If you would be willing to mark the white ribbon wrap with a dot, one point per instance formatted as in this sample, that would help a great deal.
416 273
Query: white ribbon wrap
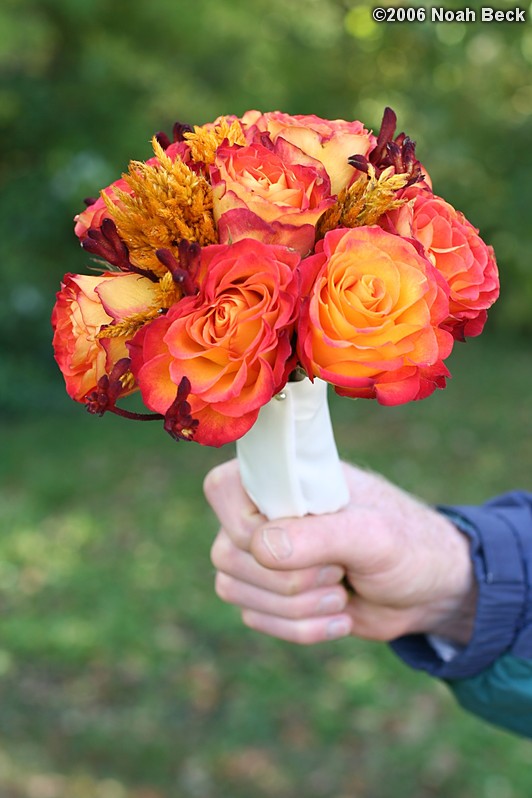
288 460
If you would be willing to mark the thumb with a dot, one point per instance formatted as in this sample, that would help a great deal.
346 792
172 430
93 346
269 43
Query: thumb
294 543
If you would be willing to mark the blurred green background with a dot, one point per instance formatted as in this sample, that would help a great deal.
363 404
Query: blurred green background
121 674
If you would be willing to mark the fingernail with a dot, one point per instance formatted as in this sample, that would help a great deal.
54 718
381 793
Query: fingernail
330 575
330 604
277 542
338 628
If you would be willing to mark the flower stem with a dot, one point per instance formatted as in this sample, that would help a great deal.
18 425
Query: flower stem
297 374
136 416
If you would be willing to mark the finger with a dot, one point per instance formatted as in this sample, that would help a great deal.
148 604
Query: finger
319 602
304 632
380 622
241 565
235 510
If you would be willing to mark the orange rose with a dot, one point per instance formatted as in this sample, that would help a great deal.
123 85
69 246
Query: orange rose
275 194
457 251
85 305
370 324
232 340
329 141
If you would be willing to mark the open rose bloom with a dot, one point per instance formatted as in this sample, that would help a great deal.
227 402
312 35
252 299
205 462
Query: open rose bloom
260 258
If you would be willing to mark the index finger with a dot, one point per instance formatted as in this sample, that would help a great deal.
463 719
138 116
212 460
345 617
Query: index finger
235 510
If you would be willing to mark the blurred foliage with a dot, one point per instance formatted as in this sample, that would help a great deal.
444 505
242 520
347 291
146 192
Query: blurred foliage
122 675
83 86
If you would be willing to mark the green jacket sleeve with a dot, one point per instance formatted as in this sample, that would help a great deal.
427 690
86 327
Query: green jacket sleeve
501 694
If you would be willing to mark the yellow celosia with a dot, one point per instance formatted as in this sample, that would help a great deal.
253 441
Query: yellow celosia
365 201
204 141
169 203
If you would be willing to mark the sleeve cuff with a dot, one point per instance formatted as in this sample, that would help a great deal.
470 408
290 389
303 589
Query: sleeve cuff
500 571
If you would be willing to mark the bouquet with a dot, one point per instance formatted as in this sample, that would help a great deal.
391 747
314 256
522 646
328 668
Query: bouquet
251 262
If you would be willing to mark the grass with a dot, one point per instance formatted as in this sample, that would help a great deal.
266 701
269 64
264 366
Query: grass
123 676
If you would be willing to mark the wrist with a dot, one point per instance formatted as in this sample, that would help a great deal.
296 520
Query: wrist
455 619
452 614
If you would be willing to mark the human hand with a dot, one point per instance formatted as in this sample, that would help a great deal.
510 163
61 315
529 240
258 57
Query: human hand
408 566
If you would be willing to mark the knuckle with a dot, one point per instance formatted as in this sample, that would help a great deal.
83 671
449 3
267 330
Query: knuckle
293 583
219 551
297 610
241 538
214 480
249 619
222 587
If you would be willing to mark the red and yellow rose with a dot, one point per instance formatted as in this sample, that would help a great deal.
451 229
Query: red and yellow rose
274 193
85 305
371 322
92 217
455 248
232 340
329 141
